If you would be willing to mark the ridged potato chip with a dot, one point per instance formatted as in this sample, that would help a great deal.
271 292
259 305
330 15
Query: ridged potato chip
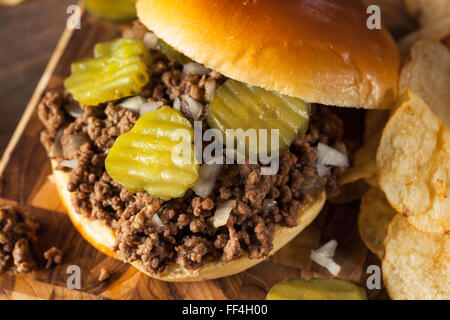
413 165
429 11
143 158
437 32
375 215
416 265
428 75
364 166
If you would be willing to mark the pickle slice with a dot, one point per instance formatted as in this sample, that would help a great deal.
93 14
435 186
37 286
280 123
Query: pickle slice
114 10
236 105
316 289
142 159
119 69
171 53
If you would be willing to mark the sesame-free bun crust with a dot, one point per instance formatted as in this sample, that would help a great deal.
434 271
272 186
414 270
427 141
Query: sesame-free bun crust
317 50
102 237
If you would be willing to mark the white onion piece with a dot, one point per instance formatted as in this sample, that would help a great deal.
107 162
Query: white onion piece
177 104
56 149
73 142
324 257
195 108
133 103
157 221
72 164
149 107
331 157
269 205
150 40
74 110
223 213
210 88
322 170
196 68
208 174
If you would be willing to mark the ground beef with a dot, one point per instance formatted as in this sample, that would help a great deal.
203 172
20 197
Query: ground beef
188 236
53 257
16 230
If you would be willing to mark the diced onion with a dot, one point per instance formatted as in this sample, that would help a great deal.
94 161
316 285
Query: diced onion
56 149
269 204
331 157
156 220
196 68
177 104
208 174
324 257
73 142
322 170
210 88
74 110
150 40
72 164
223 213
195 108
149 107
133 103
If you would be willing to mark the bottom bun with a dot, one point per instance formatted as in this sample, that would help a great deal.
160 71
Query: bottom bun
102 237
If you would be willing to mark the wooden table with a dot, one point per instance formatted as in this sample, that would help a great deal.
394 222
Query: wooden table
28 36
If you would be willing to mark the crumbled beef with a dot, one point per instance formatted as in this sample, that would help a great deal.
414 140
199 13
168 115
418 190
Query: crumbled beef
188 236
53 257
104 275
16 230
22 256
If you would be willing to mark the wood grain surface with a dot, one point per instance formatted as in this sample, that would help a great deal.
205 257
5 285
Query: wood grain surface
24 172
28 35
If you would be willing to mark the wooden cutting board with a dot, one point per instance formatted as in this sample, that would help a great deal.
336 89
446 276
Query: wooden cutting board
24 172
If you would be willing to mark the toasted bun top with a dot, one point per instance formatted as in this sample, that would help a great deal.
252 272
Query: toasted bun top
317 50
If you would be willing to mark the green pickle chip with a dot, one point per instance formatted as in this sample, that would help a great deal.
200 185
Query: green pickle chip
114 10
150 156
316 289
119 69
236 105
171 53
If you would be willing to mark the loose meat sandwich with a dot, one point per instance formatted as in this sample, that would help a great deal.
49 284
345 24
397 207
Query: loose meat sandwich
279 66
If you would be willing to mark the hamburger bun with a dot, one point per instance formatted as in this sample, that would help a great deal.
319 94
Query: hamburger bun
320 51
102 237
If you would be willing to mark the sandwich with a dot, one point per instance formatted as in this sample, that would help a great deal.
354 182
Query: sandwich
232 73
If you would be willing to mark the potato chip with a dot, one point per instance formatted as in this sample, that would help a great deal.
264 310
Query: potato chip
437 32
375 214
428 74
428 11
364 166
416 265
413 165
